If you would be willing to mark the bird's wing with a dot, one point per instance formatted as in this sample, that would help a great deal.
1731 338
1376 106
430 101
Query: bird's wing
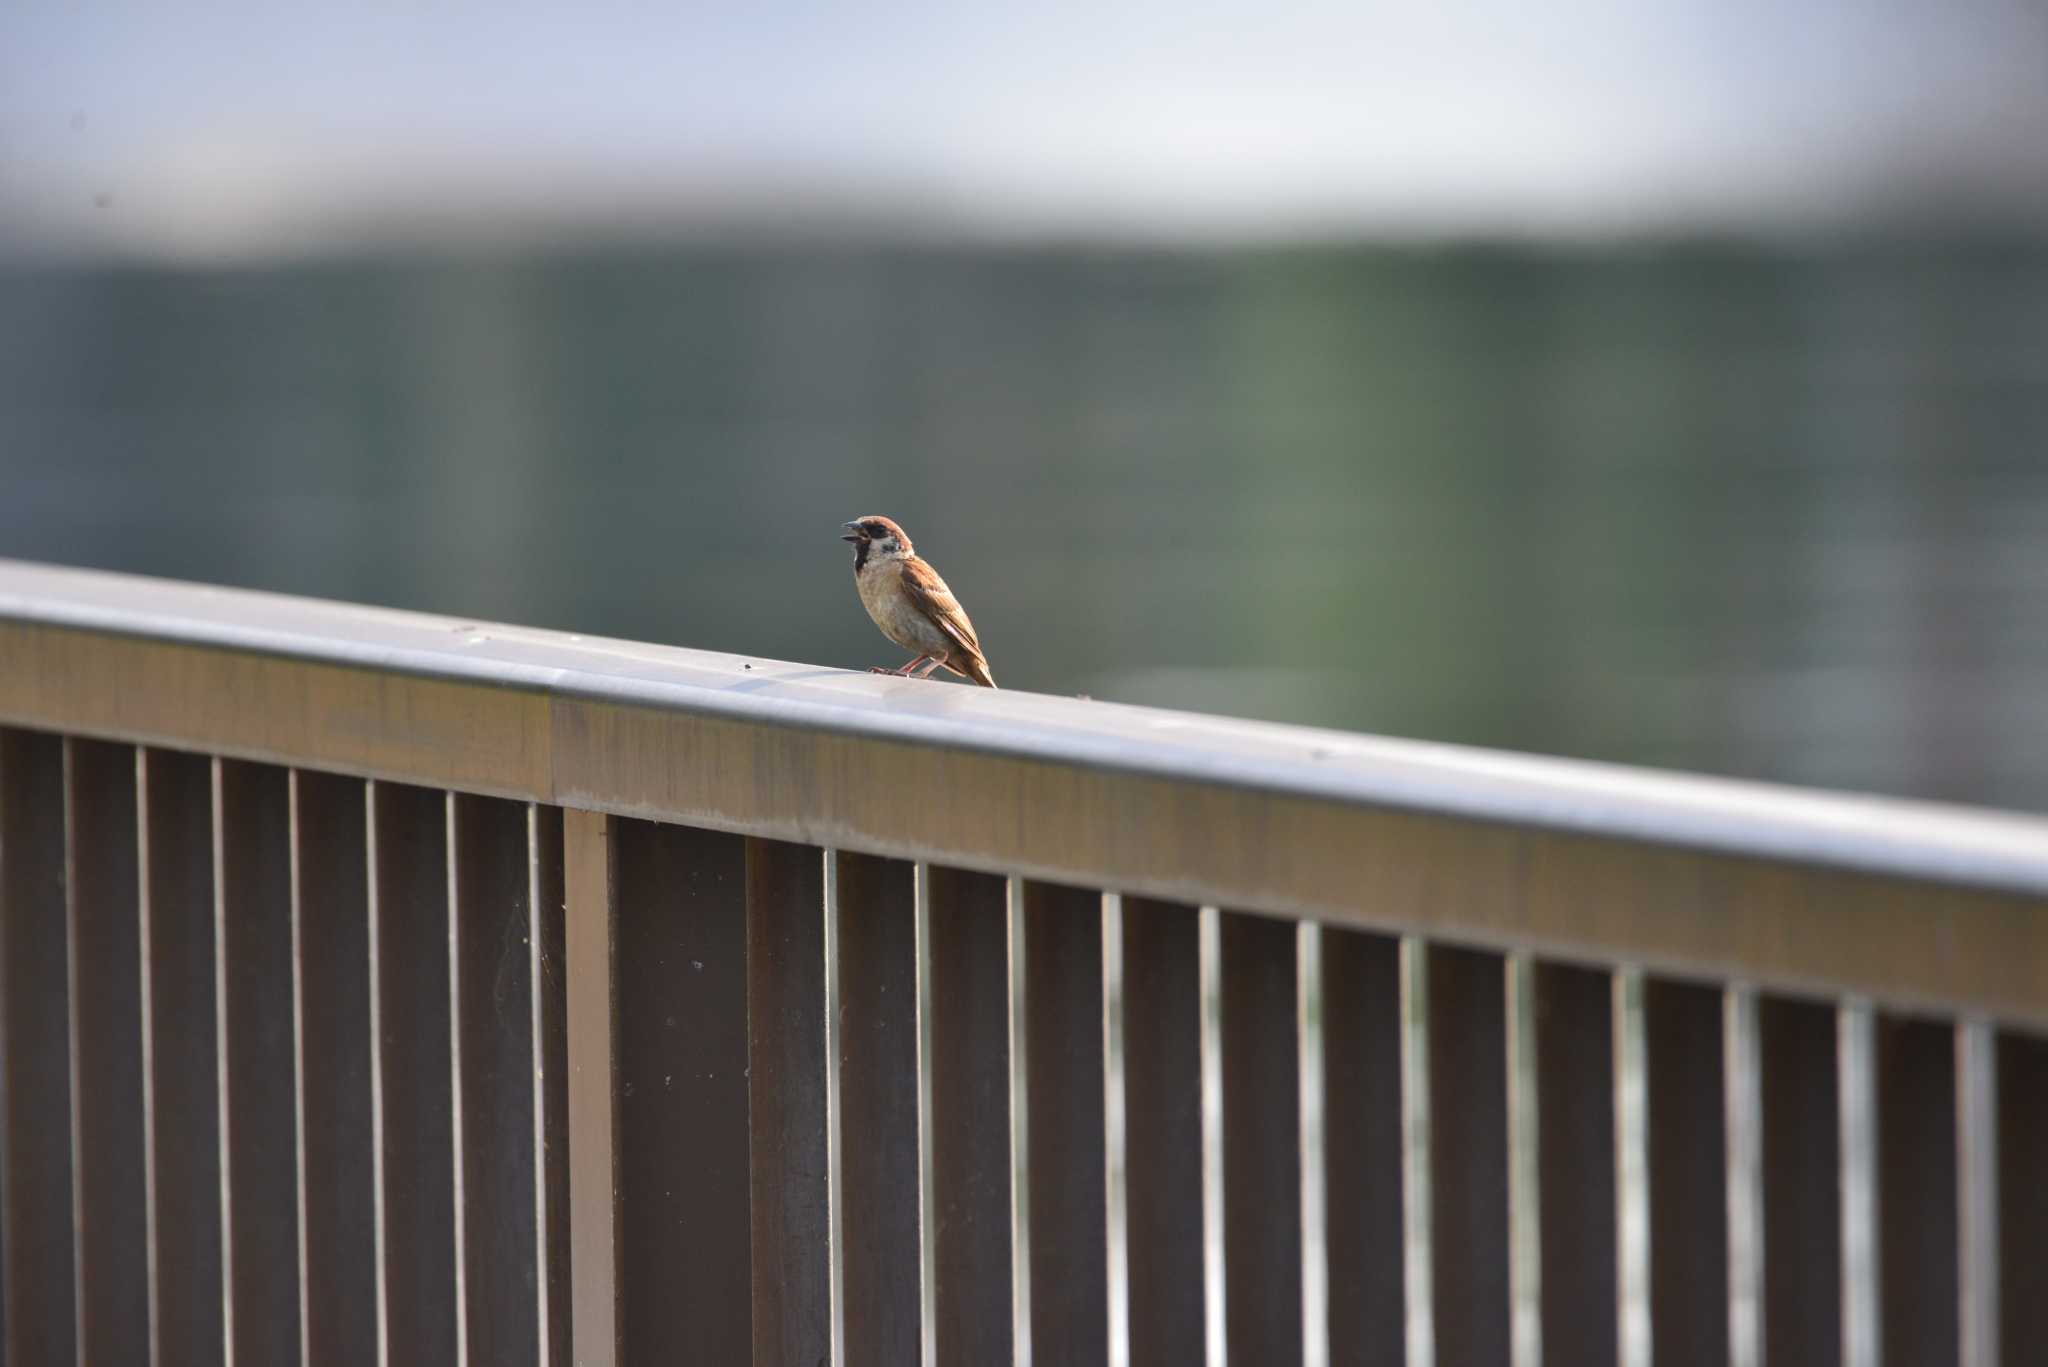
929 595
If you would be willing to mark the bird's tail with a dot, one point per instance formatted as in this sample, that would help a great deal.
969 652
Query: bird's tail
977 670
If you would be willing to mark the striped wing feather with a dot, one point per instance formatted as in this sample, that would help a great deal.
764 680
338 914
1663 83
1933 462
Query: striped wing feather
929 595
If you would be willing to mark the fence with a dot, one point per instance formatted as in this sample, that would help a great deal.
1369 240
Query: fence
386 988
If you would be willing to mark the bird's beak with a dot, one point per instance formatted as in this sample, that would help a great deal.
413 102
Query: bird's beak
853 532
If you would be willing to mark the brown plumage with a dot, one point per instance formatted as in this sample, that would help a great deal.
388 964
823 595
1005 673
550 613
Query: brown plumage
911 604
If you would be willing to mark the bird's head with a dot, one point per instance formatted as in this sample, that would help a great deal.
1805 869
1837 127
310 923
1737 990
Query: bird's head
875 538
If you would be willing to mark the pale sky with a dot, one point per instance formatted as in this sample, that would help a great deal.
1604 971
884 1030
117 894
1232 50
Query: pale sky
247 128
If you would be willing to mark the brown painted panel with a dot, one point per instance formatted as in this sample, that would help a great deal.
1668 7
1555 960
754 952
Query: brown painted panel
252 833
786 1100
684 1224
967 918
1574 1011
1261 1141
331 911
409 926
2022 1197
878 1109
106 1034
1684 1095
1918 1233
1802 1200
183 1108
491 927
1063 1060
1361 997
35 1039
1468 1135
1162 1007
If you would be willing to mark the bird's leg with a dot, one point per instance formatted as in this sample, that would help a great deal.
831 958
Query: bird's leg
935 663
902 673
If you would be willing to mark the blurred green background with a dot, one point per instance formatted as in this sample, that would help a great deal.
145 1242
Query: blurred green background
1768 512
1665 384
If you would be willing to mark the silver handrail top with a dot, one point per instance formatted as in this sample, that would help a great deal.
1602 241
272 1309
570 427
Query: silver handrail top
1913 839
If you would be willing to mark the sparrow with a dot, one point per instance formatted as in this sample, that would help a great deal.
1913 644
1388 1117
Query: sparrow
911 604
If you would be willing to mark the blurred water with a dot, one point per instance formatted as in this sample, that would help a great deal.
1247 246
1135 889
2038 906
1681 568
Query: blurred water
1774 513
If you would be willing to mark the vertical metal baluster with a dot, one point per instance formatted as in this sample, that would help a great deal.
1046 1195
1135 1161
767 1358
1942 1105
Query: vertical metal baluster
1745 1179
546 896
1525 1212
927 1197
1857 1111
1213 1232
457 1181
378 1232
1417 1200
591 1008
835 1138
1308 1027
1116 1156
1977 1199
1632 1171
1020 1125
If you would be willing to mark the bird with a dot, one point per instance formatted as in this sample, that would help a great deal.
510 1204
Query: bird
911 604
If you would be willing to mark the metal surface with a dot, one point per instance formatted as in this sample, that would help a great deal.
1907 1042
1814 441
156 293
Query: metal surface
252 945
1468 1138
303 1068
181 1108
1162 1012
786 1103
100 885
1361 1013
591 1025
1686 1150
410 1076
1802 1196
684 1226
36 1264
1977 1194
1574 1010
2022 1198
1262 1253
877 1065
331 1008
1068 1170
1918 1229
1793 890
969 1064
490 930
547 899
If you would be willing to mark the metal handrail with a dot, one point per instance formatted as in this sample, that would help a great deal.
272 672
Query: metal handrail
1911 904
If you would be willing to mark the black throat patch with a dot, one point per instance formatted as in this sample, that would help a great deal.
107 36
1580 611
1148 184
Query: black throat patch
860 554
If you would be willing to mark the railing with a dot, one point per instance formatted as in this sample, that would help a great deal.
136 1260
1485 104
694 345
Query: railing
385 988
